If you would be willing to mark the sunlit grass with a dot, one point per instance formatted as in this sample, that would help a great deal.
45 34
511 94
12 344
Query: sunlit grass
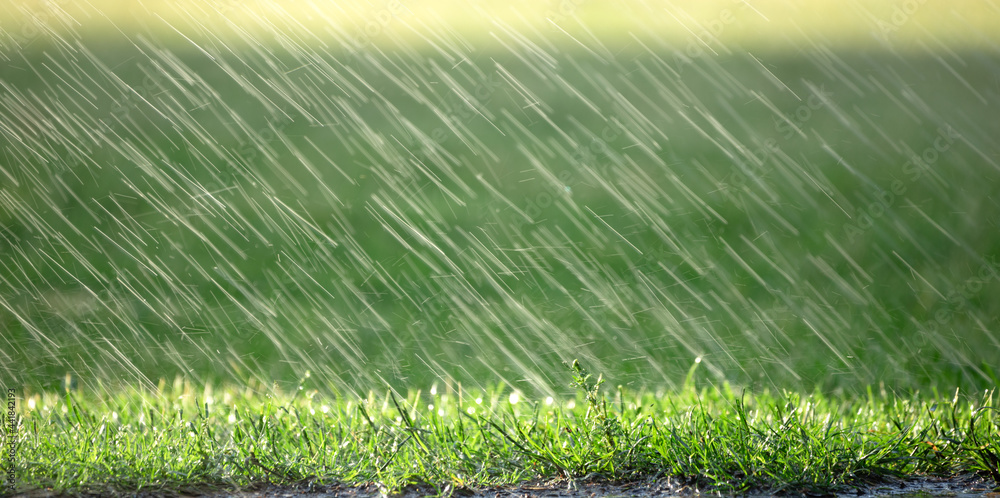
711 438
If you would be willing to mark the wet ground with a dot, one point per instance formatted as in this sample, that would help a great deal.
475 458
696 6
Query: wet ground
959 487
964 486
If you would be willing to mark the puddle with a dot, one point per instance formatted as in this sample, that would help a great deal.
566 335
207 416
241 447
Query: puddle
965 486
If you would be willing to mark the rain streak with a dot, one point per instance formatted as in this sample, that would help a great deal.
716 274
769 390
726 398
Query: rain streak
393 194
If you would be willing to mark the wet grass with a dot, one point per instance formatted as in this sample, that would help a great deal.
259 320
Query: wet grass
712 438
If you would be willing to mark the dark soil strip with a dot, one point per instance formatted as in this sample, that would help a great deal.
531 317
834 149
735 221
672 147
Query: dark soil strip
963 486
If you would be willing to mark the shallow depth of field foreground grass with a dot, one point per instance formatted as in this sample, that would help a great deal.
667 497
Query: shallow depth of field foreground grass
710 437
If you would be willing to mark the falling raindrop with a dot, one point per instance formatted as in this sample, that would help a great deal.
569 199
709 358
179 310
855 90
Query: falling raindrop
481 195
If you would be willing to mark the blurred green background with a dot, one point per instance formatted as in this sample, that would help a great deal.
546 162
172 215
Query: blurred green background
804 195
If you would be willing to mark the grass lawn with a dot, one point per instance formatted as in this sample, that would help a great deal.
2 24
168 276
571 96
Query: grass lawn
368 239
450 440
